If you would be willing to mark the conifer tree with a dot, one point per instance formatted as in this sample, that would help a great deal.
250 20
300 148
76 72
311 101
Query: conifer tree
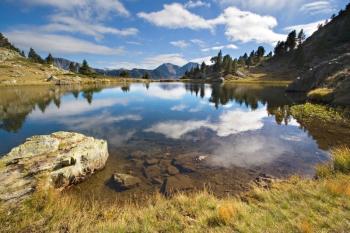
85 68
301 37
72 67
260 52
49 60
34 57
291 41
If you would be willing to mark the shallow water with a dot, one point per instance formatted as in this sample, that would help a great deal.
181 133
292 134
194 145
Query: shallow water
239 130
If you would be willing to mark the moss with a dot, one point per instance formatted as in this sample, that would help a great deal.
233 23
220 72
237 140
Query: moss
310 112
322 95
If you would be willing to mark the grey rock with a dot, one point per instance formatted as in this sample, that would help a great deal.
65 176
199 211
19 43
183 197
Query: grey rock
125 181
60 160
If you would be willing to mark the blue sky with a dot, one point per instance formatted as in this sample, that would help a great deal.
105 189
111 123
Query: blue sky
146 33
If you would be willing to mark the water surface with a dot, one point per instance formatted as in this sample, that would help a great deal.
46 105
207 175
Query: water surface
228 134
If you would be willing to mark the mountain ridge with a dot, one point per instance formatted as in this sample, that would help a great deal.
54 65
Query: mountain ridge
163 71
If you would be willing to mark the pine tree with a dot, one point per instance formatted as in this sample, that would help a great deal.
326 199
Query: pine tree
85 68
146 76
49 60
34 57
260 52
72 67
301 37
23 54
291 41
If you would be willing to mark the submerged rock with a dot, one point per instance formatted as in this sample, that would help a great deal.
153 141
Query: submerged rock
176 183
125 181
55 161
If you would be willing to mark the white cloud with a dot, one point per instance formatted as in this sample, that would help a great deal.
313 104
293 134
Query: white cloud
58 44
196 3
176 129
179 107
318 7
199 60
84 16
219 47
76 107
240 25
101 8
261 5
155 61
246 26
180 43
308 28
174 93
64 23
105 118
176 15
230 122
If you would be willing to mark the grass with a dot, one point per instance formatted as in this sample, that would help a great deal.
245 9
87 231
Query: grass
293 205
310 112
322 95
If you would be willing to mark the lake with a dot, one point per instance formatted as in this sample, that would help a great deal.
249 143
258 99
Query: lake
219 136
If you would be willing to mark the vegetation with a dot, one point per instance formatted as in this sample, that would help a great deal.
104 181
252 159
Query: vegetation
226 65
310 112
34 57
294 205
49 59
146 76
4 43
323 95
85 68
124 74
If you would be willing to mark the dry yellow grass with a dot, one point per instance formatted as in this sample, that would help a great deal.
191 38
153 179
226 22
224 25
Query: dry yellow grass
294 205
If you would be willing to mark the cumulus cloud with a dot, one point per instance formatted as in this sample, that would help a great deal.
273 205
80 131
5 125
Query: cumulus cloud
240 25
308 28
176 15
219 47
230 122
196 3
198 42
318 7
246 26
45 42
180 44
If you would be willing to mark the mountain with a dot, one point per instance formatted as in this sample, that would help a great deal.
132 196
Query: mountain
164 71
64 63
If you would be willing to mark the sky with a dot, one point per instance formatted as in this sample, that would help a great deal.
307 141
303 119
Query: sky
146 33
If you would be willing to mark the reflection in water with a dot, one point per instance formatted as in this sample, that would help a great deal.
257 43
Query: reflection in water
248 126
241 129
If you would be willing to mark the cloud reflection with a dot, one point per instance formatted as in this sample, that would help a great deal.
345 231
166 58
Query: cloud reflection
230 122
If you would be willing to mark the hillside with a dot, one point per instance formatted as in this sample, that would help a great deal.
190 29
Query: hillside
322 61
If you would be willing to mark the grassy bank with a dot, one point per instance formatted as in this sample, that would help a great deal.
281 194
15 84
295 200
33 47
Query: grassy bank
294 205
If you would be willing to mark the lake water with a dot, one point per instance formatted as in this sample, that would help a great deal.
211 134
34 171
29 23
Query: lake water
221 136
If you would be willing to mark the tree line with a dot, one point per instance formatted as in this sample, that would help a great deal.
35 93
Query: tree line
225 65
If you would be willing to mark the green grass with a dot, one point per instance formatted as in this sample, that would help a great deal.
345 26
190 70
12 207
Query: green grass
293 205
322 95
310 112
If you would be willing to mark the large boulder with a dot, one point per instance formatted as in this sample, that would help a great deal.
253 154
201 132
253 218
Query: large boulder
50 161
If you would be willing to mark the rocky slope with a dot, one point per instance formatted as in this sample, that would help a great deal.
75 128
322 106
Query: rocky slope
323 61
49 161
